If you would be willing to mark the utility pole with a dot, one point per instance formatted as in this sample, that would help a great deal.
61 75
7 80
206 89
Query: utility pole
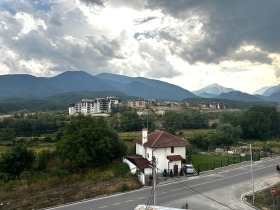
154 180
252 176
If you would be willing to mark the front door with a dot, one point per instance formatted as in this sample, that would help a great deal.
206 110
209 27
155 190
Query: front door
175 167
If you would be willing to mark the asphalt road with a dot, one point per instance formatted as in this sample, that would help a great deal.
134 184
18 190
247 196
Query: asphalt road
219 190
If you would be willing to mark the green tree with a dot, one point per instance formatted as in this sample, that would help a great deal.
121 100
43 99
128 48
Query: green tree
88 141
227 134
235 118
188 119
130 121
173 121
202 141
261 122
7 134
16 160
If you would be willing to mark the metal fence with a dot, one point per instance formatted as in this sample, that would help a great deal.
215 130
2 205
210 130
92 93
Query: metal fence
230 161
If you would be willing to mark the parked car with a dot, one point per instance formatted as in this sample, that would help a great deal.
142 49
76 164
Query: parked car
189 169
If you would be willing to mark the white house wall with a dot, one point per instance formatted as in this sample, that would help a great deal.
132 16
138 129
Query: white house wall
161 157
148 171
71 110
172 163
139 150
131 165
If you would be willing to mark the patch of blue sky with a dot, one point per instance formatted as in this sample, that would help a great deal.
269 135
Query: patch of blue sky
7 7
43 5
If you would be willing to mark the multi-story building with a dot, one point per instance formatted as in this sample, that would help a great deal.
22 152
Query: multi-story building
217 105
96 106
140 103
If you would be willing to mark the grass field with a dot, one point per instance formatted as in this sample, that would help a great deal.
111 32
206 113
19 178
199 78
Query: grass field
204 162
37 149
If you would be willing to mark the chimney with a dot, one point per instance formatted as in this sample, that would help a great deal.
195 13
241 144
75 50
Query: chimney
144 135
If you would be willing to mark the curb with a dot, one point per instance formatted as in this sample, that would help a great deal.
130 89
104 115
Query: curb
259 190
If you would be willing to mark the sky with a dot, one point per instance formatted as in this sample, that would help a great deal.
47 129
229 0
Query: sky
189 43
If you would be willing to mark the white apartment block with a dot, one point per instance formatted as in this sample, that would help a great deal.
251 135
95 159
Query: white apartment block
96 106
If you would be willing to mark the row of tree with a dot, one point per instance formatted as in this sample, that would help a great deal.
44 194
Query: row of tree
258 122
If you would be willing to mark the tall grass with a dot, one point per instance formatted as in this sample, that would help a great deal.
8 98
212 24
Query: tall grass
35 188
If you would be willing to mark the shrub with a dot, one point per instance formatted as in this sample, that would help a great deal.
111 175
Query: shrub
61 173
171 173
181 172
125 187
164 173
19 157
43 158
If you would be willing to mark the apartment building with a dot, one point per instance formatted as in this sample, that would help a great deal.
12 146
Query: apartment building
140 103
91 107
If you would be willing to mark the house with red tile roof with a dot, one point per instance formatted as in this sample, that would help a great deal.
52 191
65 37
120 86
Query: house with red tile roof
169 151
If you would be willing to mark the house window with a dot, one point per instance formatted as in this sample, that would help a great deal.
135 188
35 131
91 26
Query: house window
172 149
147 155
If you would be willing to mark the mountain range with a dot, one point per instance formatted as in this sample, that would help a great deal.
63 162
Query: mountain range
74 82
29 86
269 93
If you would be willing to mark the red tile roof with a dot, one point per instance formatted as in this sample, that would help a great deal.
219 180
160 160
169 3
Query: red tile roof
174 157
161 139
139 161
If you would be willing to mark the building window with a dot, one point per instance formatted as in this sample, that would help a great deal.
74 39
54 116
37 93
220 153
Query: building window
172 149
147 155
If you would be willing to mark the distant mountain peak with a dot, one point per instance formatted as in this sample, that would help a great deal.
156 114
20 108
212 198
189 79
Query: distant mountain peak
215 89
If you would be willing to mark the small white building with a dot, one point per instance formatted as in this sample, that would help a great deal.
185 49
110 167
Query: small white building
169 151
140 166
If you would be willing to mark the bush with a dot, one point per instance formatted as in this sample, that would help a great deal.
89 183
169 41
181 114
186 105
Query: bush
16 160
171 173
5 177
121 168
124 187
181 172
164 173
61 173
43 158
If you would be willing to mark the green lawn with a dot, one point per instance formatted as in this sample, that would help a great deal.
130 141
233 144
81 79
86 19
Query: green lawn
205 162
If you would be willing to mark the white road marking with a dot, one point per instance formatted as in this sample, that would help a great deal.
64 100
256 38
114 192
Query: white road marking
177 189
102 207
116 204
140 198
129 201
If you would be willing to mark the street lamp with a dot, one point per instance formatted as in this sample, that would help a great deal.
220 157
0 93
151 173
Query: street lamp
251 170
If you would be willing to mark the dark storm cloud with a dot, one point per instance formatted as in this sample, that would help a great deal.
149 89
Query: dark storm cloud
227 26
252 56
93 2
92 52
